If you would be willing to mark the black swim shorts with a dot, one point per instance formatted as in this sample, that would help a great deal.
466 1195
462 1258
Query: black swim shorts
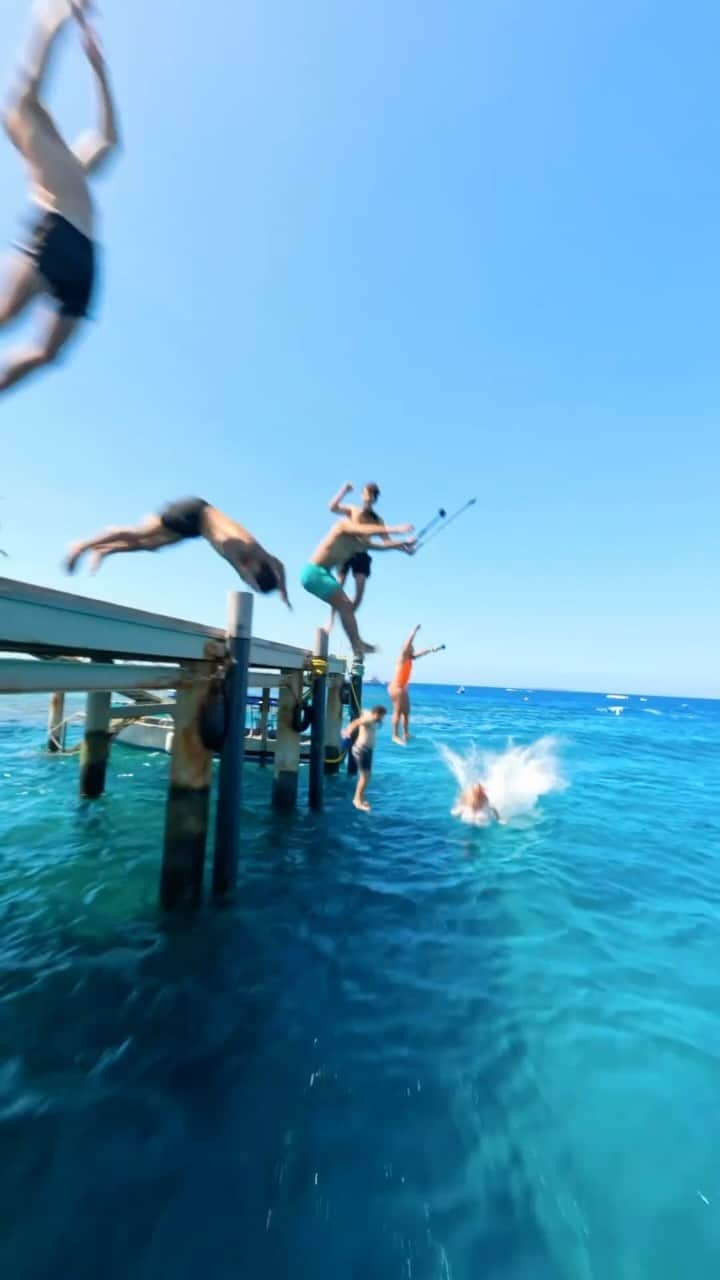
65 258
363 758
358 564
184 517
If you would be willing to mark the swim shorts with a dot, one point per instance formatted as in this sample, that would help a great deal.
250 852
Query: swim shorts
363 758
184 517
65 258
320 582
358 564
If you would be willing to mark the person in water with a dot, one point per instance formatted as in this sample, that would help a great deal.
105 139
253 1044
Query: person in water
190 518
360 564
347 537
475 799
398 687
58 259
366 725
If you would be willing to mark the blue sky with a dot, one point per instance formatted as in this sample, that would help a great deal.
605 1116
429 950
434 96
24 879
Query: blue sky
463 250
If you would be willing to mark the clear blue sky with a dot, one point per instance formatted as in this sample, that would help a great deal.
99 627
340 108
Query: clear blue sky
465 249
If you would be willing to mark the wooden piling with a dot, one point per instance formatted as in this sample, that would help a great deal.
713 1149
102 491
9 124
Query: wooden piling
96 745
356 683
317 729
264 719
333 726
57 727
227 823
287 743
188 801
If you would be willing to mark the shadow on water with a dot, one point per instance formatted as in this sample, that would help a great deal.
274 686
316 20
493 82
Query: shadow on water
322 1078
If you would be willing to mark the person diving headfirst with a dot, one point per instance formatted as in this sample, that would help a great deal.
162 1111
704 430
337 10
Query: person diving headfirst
179 521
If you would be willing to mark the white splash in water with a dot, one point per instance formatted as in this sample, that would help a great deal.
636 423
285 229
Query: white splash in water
514 779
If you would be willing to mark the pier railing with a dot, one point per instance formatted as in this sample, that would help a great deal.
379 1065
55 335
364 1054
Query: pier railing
61 642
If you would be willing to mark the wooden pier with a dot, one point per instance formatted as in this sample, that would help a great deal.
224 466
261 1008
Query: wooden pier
63 643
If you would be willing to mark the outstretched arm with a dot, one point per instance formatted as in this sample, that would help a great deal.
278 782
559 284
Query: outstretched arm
336 506
52 18
424 652
407 545
357 529
279 568
94 147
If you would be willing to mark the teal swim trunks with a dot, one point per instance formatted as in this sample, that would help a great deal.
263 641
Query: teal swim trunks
319 582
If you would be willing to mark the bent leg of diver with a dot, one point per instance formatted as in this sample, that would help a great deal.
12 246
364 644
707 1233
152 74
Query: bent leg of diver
360 583
22 363
340 603
341 577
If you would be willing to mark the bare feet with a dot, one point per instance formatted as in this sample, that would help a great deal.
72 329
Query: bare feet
362 805
73 557
365 648
400 741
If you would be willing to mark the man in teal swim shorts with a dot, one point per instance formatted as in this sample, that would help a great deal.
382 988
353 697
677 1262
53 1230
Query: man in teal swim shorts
344 540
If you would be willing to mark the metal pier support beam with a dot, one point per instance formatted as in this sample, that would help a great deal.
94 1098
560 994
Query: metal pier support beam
264 718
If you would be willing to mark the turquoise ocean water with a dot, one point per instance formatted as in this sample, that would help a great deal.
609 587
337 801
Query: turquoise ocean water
412 1050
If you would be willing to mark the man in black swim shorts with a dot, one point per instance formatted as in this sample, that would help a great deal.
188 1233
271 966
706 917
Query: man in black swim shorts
359 565
58 257
190 518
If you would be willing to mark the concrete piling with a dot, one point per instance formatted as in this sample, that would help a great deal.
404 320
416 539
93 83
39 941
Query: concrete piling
57 727
317 728
188 801
232 757
356 683
96 745
287 743
333 726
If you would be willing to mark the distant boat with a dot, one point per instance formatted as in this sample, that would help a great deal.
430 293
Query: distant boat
619 697
461 689
373 680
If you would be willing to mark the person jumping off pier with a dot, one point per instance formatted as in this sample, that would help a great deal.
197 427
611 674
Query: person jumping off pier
347 537
190 518
398 687
366 726
360 564
58 259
